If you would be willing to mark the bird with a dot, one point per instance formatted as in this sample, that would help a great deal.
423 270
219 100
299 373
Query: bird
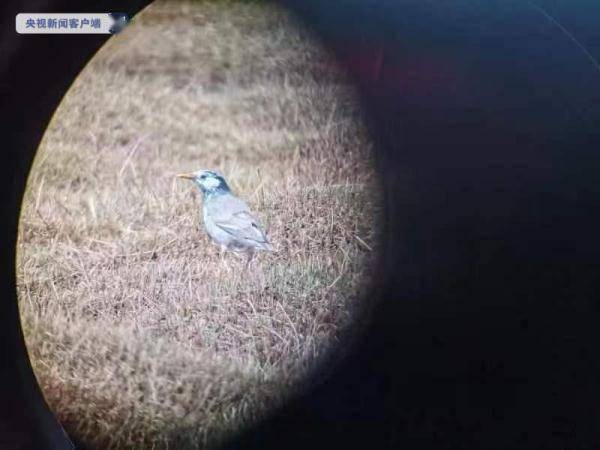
227 218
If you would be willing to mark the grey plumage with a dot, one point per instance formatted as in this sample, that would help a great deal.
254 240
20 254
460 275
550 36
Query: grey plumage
227 219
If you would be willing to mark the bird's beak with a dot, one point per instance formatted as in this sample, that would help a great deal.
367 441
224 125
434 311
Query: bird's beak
187 176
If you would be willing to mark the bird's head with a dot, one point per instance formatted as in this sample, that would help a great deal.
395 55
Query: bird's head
209 181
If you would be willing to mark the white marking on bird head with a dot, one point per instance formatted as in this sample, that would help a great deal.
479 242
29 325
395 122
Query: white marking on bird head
209 182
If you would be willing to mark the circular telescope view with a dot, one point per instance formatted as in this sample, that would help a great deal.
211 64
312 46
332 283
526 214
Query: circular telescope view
198 228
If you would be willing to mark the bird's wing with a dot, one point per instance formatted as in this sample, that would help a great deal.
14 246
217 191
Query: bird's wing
234 217
243 225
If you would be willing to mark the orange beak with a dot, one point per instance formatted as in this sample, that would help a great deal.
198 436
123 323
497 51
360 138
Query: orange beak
187 176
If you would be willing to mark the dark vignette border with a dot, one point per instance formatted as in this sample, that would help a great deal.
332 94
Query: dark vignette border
486 117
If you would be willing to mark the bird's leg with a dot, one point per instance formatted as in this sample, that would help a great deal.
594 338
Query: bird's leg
222 251
250 256
257 273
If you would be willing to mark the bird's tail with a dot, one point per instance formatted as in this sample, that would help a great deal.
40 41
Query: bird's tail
268 247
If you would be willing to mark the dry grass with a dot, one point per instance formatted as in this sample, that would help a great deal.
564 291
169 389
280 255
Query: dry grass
140 336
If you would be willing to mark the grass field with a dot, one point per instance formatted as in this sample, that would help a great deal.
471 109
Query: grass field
140 335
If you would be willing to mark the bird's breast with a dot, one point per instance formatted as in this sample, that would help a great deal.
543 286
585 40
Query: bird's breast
216 233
